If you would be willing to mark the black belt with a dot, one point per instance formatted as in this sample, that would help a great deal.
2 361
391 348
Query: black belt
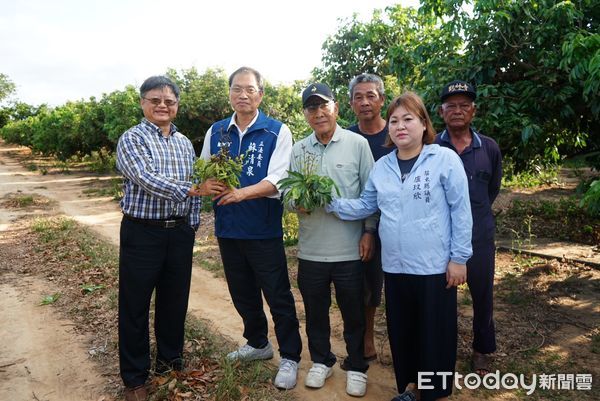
166 223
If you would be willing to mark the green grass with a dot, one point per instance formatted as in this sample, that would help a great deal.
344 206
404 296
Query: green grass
24 200
101 163
533 177
112 188
82 250
69 239
53 229
215 267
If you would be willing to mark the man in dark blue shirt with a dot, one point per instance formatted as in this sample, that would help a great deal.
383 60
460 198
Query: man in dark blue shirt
483 164
367 97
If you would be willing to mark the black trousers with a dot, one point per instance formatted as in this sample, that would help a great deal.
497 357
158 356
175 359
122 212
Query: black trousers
480 278
374 277
253 267
422 330
152 258
314 282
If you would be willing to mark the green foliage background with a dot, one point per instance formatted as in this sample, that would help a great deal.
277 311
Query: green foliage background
536 65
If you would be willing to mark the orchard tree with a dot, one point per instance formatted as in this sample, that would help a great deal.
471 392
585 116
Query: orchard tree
91 127
17 111
536 65
396 45
121 110
7 87
204 100
284 103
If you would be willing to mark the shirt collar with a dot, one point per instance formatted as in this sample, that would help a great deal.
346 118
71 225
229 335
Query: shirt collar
232 122
337 135
475 143
172 128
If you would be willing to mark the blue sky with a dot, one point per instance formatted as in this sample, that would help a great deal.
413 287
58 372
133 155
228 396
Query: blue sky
62 50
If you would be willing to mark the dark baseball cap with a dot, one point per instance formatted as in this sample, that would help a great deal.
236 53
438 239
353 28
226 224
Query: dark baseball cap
458 87
317 89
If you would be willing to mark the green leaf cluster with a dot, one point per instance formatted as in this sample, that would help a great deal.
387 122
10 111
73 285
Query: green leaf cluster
89 288
305 189
221 166
50 299
591 199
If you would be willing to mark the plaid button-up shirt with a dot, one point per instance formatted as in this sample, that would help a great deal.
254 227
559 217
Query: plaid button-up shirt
157 174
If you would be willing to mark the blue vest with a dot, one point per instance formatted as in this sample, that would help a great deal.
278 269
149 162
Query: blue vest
255 218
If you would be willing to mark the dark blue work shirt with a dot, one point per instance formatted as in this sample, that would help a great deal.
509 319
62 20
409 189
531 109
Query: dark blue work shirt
376 141
483 164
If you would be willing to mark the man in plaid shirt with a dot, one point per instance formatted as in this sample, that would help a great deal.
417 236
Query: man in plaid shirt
161 213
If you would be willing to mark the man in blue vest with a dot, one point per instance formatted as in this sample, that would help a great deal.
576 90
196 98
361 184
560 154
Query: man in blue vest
483 164
248 225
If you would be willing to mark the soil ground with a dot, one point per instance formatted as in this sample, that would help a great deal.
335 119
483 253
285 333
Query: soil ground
547 311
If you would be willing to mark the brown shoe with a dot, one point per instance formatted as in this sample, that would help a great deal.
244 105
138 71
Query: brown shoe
138 393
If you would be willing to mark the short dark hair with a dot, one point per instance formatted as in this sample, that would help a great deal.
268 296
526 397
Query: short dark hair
413 104
243 70
366 77
159 82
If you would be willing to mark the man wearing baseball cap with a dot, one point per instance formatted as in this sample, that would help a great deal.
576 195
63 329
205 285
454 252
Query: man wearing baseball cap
328 248
483 164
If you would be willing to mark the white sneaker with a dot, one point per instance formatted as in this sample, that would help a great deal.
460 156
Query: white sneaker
249 353
316 375
356 383
288 374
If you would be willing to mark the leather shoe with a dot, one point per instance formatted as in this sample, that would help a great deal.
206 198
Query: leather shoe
139 393
164 368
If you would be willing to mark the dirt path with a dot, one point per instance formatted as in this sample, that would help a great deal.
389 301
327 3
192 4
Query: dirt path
41 358
209 299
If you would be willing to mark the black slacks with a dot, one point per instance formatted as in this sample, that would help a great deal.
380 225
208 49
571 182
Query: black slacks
480 278
422 330
314 282
152 258
255 267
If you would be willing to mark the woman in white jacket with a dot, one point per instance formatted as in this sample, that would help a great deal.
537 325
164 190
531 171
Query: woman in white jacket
425 229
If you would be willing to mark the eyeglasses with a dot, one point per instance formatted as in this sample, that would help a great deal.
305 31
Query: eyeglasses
157 101
454 106
313 108
250 90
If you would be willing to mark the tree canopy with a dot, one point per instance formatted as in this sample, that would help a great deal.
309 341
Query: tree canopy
536 65
7 87
85 126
